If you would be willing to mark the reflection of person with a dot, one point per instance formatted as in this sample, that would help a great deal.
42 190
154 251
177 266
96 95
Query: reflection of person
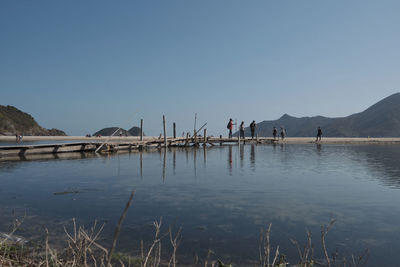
283 133
241 130
253 126
230 157
319 134
252 154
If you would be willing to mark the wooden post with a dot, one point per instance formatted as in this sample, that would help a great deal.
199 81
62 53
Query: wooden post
205 136
141 130
97 150
174 126
195 120
165 132
239 139
187 139
257 138
220 139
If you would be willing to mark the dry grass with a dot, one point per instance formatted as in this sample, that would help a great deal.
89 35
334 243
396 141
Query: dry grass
83 249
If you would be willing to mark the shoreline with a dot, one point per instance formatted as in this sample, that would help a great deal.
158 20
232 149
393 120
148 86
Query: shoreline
287 140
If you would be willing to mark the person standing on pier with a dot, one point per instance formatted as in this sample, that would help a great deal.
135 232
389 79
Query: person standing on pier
274 132
241 130
230 127
319 134
253 126
283 133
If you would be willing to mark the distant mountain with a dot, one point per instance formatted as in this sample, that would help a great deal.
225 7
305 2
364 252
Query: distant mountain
134 131
380 120
13 121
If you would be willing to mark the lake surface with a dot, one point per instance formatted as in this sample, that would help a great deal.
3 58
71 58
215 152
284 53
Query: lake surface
220 196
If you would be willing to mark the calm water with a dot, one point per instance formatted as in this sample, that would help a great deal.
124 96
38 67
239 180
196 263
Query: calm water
221 197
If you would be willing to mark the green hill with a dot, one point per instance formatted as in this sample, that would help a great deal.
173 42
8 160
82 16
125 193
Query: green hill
13 121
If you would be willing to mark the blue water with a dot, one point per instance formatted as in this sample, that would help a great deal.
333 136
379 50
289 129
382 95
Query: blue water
220 196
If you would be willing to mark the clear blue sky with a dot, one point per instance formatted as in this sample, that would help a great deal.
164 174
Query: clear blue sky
83 65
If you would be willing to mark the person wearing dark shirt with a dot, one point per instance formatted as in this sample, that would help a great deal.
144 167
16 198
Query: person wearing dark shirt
319 134
241 130
274 133
253 126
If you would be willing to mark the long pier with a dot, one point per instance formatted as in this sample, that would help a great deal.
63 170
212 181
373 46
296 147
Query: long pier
121 143
114 144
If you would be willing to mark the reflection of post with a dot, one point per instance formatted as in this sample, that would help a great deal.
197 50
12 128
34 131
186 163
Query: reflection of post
141 164
173 160
165 132
164 163
194 160
205 154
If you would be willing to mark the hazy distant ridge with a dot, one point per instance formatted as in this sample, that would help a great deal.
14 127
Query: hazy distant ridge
380 120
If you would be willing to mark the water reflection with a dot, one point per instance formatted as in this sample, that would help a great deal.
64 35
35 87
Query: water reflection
230 164
241 153
319 147
252 155
164 164
293 186
382 160
141 164
205 155
174 161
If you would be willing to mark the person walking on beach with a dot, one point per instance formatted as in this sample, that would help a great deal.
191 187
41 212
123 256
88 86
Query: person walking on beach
319 134
274 132
241 130
230 127
253 126
283 133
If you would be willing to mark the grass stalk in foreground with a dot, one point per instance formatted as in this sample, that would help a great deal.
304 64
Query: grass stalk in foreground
83 249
